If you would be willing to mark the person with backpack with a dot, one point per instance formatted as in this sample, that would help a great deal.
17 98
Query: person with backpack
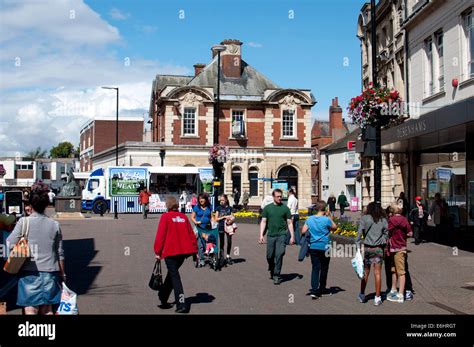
319 226
373 228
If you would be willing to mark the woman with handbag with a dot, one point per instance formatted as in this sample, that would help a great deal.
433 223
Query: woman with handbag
374 228
40 277
175 241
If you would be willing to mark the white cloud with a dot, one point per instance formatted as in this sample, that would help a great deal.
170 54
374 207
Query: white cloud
254 45
148 29
57 86
116 14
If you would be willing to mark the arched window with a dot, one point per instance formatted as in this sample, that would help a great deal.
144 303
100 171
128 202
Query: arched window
289 175
236 179
253 175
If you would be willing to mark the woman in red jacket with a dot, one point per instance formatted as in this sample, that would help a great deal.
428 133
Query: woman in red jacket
175 241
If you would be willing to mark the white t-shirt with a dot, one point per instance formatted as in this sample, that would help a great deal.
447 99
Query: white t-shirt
293 204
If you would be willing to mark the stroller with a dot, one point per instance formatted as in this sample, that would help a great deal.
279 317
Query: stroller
208 248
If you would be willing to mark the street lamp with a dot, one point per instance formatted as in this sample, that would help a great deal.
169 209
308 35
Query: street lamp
116 141
378 147
217 49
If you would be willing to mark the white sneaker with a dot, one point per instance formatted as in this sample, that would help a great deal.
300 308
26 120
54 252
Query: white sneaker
396 298
378 301
362 298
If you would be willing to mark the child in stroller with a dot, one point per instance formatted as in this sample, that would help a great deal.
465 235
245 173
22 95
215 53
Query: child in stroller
210 244
208 248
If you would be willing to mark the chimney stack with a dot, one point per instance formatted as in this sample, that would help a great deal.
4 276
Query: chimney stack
336 126
198 68
232 58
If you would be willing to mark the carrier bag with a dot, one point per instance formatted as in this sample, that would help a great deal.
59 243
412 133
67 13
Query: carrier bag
68 303
358 264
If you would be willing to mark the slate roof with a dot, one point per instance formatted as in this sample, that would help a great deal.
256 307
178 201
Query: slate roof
251 85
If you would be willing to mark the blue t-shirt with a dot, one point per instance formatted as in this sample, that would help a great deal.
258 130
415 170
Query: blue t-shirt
203 216
319 229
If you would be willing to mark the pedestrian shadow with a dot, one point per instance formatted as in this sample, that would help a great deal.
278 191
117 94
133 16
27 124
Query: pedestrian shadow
200 298
335 290
239 260
78 257
290 277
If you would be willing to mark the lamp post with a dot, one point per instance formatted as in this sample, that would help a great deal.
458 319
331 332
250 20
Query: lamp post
218 49
116 142
378 147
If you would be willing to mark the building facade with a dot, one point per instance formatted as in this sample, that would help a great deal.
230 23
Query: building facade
431 152
24 172
340 170
267 128
99 134
391 51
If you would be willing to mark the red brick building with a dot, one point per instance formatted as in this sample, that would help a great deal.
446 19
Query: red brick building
267 128
99 134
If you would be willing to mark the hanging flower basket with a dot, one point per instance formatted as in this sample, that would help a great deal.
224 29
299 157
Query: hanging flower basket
217 157
376 106
218 154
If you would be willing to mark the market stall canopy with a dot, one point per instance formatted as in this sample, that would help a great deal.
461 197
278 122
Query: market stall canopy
176 169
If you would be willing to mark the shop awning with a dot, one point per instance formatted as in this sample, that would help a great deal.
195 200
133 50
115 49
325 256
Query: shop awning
176 170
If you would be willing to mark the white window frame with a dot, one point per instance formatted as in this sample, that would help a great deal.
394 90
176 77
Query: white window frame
244 119
440 59
430 68
468 54
295 123
196 130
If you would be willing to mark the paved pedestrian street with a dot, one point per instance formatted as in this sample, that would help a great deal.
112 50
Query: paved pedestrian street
109 263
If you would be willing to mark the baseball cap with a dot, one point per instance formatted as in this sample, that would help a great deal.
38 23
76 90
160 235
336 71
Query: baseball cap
418 198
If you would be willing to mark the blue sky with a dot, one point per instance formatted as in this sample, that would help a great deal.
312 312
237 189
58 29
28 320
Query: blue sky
56 55
307 51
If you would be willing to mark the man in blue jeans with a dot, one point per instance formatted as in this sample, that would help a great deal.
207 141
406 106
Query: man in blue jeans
278 218
319 227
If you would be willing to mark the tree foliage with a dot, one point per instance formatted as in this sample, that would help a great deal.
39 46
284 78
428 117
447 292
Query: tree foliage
62 150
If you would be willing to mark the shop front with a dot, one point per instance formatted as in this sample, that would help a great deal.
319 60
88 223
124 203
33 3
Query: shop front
440 150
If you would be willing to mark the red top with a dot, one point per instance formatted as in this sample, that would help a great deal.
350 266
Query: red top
175 235
144 197
398 228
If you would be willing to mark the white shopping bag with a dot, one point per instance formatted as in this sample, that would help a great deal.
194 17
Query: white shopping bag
358 264
68 303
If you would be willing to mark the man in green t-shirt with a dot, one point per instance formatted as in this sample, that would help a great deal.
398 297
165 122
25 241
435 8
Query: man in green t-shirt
278 218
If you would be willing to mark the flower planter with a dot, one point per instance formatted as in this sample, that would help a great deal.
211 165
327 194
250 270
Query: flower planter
345 240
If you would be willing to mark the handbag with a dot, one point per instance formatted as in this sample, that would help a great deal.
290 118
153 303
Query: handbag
156 279
20 252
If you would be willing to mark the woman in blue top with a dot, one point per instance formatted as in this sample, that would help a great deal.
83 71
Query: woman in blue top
319 226
202 213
